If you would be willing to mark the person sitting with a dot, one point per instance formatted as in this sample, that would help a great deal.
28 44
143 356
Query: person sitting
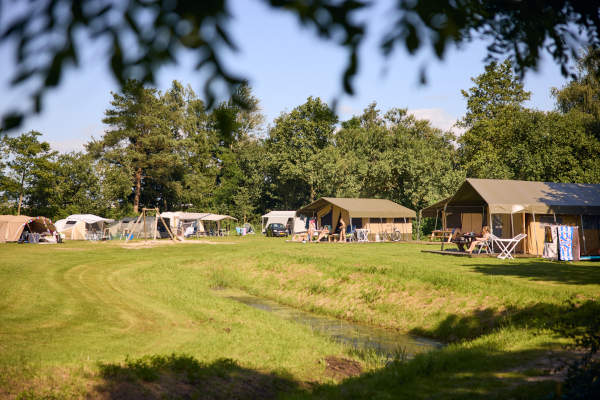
324 233
484 237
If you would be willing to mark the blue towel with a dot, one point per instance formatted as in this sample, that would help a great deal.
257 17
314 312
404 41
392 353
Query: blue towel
565 242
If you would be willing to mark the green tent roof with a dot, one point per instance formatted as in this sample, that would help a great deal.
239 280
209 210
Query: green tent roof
361 208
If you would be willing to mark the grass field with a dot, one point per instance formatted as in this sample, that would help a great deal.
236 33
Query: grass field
98 320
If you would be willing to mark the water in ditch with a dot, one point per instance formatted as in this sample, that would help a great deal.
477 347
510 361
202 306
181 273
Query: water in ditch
384 342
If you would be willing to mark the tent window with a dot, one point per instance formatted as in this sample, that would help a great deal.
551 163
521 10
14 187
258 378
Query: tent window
497 224
70 222
375 220
398 220
326 219
357 223
453 220
548 219
591 222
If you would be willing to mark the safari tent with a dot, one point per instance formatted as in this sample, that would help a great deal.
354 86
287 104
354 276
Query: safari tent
376 215
13 226
83 227
287 218
510 207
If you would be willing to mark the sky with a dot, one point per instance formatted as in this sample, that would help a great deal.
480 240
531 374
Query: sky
285 64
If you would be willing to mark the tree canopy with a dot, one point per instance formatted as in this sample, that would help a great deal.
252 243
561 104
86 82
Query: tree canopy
144 35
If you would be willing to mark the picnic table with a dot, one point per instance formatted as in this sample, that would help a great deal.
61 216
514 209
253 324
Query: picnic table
441 234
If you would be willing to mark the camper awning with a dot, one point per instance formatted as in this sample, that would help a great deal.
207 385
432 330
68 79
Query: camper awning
509 197
216 217
361 208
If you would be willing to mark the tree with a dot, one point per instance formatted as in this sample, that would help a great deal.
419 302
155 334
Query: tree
582 93
498 87
27 159
138 45
298 146
505 140
141 139
399 157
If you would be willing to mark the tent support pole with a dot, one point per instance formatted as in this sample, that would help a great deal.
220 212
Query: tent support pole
554 215
491 225
524 231
444 223
537 251
583 233
419 226
512 228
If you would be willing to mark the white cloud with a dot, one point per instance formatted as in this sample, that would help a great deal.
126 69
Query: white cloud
347 110
439 118
65 146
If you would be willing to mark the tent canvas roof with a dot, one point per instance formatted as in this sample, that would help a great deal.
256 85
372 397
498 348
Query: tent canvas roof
216 217
511 196
362 208
88 218
275 213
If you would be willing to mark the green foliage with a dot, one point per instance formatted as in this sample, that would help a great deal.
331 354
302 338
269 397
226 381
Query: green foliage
581 324
514 29
505 140
26 162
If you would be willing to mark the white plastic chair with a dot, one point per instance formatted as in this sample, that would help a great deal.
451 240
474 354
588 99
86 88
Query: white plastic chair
487 245
362 235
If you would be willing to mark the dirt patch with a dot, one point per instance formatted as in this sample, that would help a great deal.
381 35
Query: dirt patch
154 243
340 368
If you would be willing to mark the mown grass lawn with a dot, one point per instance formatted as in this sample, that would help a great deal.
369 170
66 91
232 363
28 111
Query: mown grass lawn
101 321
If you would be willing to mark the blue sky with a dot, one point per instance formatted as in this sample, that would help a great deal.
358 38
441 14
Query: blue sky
285 64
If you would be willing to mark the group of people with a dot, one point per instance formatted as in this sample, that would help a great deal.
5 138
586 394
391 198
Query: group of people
456 237
339 234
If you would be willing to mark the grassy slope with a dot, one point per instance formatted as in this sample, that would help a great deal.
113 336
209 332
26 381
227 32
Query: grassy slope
73 305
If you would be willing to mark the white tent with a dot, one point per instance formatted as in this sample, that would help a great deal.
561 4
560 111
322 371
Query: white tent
287 218
82 226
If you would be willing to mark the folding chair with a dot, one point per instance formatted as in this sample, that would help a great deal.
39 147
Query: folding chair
507 246
487 245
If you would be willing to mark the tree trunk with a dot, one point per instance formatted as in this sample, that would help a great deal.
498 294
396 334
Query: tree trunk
138 190
21 194
312 193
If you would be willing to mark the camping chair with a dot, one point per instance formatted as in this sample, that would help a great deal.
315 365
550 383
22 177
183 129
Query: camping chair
507 245
362 235
487 245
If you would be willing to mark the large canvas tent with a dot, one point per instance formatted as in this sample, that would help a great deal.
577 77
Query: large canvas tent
377 215
13 226
287 218
510 207
83 227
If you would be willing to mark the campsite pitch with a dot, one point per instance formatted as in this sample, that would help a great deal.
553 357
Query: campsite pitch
98 321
